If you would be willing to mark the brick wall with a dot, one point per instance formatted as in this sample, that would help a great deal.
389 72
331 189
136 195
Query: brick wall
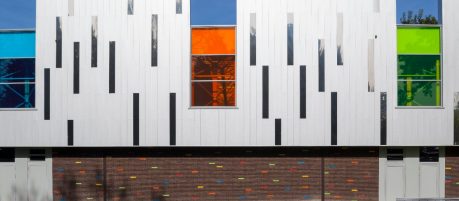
216 175
452 173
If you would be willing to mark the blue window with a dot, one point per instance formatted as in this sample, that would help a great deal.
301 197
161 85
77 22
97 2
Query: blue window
213 12
17 69
419 11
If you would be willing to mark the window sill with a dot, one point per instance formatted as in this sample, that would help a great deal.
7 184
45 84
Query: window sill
420 107
18 109
212 107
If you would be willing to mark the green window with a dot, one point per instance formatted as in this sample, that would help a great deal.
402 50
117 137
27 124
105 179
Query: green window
419 71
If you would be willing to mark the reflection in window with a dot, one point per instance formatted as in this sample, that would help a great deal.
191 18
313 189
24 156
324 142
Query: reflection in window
419 77
17 83
178 6
339 39
130 7
94 35
290 39
213 53
253 39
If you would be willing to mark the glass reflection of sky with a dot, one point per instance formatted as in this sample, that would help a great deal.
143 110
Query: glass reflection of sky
213 12
430 7
17 14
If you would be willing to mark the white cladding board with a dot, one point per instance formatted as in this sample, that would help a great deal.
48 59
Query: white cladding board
103 119
395 182
7 181
429 181
37 180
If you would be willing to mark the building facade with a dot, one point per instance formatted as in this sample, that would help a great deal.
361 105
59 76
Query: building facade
232 100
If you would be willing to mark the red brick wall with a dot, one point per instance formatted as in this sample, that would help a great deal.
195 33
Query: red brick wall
452 173
146 177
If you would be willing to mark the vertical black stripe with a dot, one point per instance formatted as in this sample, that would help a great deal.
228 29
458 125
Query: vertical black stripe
278 131
172 118
76 67
58 42
303 92
111 68
135 118
456 118
94 35
290 39
70 132
265 92
383 115
154 40
334 118
47 93
253 39
321 66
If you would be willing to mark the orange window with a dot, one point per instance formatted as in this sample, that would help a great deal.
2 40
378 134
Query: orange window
214 93
220 40
219 67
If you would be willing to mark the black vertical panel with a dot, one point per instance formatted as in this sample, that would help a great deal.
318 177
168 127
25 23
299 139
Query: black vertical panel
178 7
172 116
321 66
58 42
303 92
253 39
383 118
278 131
111 68
76 67
334 118
265 92
47 93
94 35
290 39
154 40
70 132
456 118
135 118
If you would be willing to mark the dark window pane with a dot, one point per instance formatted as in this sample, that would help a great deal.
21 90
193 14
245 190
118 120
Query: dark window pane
212 12
419 93
7 155
17 95
429 154
17 70
213 94
213 67
394 154
419 67
418 11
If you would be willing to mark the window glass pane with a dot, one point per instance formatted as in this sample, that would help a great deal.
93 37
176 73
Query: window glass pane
17 44
213 94
419 67
419 93
17 95
212 12
213 40
17 70
410 11
418 40
429 154
213 67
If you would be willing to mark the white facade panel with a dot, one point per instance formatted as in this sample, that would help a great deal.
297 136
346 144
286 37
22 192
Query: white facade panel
103 119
